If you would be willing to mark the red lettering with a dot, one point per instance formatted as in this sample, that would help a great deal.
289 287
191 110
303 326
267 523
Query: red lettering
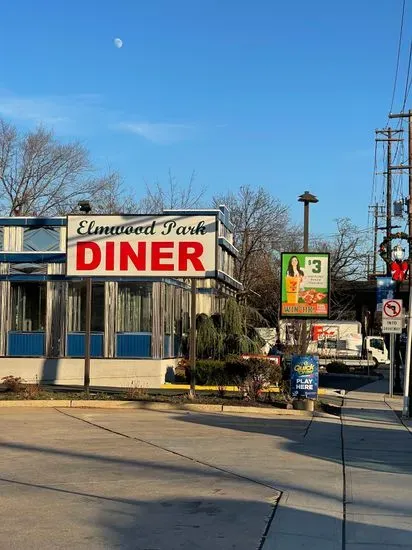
190 252
138 260
110 256
81 263
159 254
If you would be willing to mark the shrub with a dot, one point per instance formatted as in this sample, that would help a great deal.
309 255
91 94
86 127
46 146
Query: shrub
182 372
253 375
209 343
31 391
210 372
337 367
136 391
14 384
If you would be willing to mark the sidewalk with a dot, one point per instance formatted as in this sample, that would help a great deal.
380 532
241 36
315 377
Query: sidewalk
378 472
364 496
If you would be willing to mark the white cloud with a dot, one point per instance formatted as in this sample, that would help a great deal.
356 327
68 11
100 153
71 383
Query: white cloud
158 132
63 113
84 114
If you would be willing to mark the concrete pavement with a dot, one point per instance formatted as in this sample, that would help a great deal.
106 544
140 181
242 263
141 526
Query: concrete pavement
378 471
171 480
374 509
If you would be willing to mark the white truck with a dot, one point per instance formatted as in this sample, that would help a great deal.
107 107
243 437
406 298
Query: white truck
339 340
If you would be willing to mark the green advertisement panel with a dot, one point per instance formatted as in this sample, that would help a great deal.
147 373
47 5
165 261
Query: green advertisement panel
305 285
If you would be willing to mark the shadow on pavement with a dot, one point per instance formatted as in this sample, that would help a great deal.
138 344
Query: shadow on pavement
196 523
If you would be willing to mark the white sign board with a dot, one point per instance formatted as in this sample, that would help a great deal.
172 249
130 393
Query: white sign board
392 318
393 326
134 246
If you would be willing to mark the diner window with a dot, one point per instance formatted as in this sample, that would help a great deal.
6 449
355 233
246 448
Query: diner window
185 311
41 239
28 307
77 307
134 307
168 309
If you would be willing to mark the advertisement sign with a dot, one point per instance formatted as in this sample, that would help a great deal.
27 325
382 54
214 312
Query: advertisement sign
385 290
305 285
304 376
133 246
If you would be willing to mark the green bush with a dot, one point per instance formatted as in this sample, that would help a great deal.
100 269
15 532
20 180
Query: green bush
210 372
253 375
209 342
337 367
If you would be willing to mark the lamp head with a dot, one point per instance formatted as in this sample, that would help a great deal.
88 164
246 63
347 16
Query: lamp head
84 206
398 253
308 197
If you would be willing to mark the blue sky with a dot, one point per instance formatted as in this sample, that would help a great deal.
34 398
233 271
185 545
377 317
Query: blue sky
286 95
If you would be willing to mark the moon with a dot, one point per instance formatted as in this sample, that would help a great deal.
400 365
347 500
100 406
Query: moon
118 42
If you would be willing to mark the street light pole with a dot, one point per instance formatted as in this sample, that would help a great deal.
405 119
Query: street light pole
398 256
307 198
86 208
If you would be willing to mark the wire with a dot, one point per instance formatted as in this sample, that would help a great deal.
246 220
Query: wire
383 164
408 82
375 165
398 56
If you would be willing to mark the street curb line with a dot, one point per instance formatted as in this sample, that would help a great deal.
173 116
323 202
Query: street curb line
152 406
171 386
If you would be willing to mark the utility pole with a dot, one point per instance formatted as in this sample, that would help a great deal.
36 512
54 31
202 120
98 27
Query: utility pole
406 390
377 213
388 133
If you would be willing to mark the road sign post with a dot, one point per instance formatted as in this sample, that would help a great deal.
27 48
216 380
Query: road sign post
392 323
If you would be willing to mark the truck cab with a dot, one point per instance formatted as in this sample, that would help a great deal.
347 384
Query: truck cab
376 350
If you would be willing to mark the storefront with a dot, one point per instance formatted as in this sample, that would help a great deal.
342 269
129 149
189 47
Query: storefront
139 324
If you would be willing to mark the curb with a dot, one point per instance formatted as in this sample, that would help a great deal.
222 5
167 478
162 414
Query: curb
371 377
184 387
153 406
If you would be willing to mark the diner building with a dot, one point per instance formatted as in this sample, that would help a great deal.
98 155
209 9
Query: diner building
139 325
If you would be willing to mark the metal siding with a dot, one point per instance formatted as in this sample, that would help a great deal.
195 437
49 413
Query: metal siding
26 344
13 239
110 305
4 309
134 344
75 344
156 322
32 222
32 257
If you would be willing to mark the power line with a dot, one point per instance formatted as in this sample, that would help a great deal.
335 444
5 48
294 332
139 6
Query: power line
375 165
408 82
398 56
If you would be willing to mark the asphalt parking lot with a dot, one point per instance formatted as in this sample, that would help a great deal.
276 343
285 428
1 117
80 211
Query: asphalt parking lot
139 479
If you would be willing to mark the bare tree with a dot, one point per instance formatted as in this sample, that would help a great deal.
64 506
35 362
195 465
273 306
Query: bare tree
262 231
41 176
261 223
348 264
113 198
172 195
